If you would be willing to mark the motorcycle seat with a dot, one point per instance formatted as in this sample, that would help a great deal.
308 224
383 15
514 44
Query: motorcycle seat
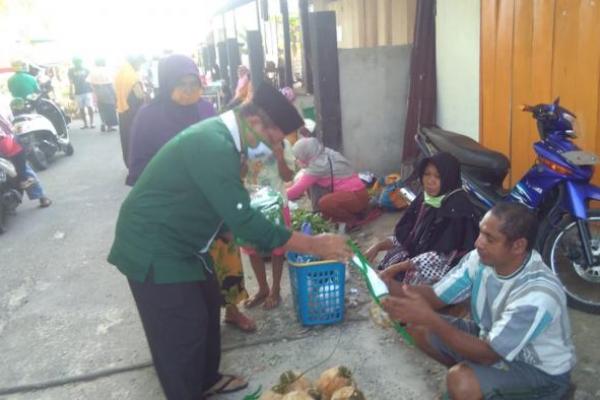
466 150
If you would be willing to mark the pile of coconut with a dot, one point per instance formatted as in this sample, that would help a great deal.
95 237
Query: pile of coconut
333 384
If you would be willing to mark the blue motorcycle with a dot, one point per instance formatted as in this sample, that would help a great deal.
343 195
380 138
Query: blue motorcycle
557 187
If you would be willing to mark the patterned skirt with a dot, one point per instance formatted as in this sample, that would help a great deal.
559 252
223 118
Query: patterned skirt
230 273
428 267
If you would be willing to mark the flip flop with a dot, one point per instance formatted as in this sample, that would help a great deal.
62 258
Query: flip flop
222 386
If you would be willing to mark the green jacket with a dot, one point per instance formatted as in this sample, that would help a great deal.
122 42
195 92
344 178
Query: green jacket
21 84
188 192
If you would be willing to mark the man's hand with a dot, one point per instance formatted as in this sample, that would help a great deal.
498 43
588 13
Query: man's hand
410 308
277 149
332 247
390 272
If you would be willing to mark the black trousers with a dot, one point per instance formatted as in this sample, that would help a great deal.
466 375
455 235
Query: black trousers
182 325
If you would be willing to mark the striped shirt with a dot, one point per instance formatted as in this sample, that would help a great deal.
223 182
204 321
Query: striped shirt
522 316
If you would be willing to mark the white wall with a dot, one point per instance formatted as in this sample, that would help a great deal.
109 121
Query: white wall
374 85
457 51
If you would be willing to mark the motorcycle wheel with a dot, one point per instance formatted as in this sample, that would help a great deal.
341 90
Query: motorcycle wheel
563 253
69 150
38 159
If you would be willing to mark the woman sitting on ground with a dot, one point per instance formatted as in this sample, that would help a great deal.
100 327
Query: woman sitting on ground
438 228
335 188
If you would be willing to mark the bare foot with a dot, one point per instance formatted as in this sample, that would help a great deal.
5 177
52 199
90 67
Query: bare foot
255 300
235 317
272 301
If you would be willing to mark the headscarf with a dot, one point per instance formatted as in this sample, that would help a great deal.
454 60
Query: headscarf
450 227
158 122
449 169
316 157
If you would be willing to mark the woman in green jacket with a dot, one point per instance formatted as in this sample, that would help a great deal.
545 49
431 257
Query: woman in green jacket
190 192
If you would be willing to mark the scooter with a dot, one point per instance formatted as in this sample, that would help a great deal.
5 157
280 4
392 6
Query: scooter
557 188
10 196
42 128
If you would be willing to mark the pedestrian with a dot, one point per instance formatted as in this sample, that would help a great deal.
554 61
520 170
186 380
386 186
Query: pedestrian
21 84
106 98
10 149
176 108
81 90
130 97
518 341
190 192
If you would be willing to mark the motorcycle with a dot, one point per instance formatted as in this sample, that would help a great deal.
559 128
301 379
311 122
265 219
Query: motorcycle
10 196
557 188
42 128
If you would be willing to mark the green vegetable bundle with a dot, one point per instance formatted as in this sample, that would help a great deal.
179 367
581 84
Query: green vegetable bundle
317 223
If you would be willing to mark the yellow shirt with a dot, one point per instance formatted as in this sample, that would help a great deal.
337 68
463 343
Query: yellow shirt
125 80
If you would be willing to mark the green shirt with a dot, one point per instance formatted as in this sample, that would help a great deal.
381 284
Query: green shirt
21 84
187 193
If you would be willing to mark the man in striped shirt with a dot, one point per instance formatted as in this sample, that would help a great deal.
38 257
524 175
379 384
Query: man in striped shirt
518 342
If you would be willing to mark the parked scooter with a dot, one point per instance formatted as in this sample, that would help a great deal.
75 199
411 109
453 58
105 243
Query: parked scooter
557 188
42 129
10 196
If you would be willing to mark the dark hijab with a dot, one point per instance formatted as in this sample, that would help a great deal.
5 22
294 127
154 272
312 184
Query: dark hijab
449 169
452 227
156 123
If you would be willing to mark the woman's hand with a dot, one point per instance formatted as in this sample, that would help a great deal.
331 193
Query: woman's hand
372 252
388 274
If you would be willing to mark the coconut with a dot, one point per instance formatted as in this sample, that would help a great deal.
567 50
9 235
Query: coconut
290 381
348 393
332 380
298 395
271 395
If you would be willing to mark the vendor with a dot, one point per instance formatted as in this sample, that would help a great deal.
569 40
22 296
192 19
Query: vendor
189 193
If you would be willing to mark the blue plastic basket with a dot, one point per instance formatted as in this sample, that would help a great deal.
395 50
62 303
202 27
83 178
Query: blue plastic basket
317 289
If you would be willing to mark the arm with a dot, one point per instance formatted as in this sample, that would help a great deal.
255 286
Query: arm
326 246
301 185
215 170
412 306
382 245
285 173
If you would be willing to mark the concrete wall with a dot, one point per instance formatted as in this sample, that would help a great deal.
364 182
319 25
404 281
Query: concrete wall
457 51
374 90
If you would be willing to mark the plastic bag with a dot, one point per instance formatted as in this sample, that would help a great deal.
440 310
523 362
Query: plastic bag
270 203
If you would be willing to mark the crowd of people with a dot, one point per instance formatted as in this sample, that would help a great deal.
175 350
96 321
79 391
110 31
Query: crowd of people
193 170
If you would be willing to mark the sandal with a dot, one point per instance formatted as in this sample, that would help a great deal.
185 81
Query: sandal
227 384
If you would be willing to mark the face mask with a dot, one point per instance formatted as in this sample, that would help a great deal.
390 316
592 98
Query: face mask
185 97
435 202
